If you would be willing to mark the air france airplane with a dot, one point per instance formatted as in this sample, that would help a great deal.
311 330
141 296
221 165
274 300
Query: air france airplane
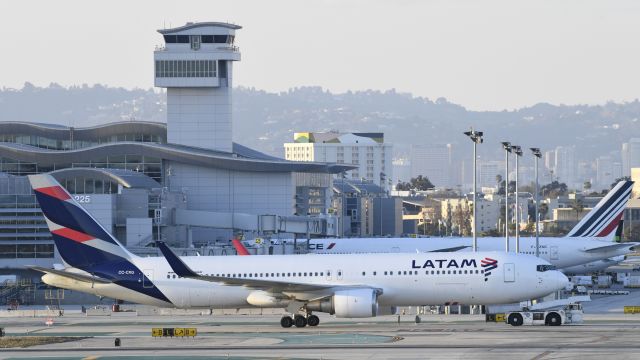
589 241
352 286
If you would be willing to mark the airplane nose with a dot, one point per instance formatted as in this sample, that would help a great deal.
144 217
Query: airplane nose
561 280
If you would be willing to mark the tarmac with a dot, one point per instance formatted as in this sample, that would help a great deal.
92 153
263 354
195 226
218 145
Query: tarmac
606 332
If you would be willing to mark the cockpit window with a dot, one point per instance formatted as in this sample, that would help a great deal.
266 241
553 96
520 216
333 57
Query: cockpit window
543 268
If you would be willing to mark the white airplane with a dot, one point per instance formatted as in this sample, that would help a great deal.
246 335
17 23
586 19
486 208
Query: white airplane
589 241
593 267
356 285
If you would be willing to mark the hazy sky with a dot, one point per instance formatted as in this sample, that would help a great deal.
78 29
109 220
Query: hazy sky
484 55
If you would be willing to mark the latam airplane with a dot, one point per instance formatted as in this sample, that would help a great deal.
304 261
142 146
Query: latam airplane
589 241
352 286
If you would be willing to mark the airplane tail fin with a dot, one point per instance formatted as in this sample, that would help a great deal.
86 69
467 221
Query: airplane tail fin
81 241
604 218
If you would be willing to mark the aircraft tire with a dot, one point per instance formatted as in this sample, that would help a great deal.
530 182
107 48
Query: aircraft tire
300 321
313 320
286 322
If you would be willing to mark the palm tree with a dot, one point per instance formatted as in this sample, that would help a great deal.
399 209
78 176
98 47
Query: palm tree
578 206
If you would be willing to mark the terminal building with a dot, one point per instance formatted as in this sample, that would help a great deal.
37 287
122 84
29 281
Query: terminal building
185 182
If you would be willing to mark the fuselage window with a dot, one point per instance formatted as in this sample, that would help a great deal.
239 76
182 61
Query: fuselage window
374 273
168 276
454 272
339 273
249 275
390 272
316 274
385 273
438 272
322 273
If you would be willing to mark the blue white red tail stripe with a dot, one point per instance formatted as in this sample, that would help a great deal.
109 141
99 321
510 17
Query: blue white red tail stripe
602 220
83 243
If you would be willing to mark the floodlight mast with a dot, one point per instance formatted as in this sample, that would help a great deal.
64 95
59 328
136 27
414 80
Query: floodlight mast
476 137
517 150
507 149
537 155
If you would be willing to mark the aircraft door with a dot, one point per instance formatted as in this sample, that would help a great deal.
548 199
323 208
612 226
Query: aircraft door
147 280
553 253
509 272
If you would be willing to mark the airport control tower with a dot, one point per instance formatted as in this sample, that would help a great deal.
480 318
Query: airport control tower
195 66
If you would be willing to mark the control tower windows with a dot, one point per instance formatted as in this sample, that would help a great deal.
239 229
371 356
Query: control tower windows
186 68
176 39
196 40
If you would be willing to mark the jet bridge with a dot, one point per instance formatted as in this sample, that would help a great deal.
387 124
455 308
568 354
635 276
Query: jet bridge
322 225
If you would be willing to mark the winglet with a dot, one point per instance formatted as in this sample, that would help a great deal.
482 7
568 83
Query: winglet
177 265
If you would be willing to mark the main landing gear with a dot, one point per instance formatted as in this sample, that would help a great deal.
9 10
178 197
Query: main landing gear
299 321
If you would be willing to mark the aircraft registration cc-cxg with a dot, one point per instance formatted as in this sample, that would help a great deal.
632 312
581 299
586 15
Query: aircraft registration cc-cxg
590 241
357 285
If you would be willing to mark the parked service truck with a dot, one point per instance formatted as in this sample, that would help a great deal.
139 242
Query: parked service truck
550 313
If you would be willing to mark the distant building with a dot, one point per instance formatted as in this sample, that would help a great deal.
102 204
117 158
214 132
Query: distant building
565 165
401 170
366 210
487 172
630 154
367 151
433 161
458 213
604 172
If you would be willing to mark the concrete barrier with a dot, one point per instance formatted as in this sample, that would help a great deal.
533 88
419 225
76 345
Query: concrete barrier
30 313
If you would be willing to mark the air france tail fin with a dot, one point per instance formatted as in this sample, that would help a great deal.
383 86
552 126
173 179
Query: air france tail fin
603 219
81 241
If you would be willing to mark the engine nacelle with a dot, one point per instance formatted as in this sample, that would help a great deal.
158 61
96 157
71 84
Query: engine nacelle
264 299
355 303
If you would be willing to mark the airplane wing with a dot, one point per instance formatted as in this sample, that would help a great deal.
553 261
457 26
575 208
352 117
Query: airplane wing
611 247
451 249
71 275
183 270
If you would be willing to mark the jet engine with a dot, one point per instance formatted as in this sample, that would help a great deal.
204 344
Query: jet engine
353 303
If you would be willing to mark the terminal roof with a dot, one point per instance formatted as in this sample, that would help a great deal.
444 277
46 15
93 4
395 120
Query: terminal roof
188 26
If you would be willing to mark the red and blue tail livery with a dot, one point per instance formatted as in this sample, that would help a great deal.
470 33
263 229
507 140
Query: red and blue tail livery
84 244
603 219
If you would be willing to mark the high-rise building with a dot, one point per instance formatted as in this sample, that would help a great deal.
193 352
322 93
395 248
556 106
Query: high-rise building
367 151
432 161
604 172
630 156
488 172
565 165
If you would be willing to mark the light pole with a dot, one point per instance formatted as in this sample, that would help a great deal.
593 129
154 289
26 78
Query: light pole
518 151
537 154
476 137
507 149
